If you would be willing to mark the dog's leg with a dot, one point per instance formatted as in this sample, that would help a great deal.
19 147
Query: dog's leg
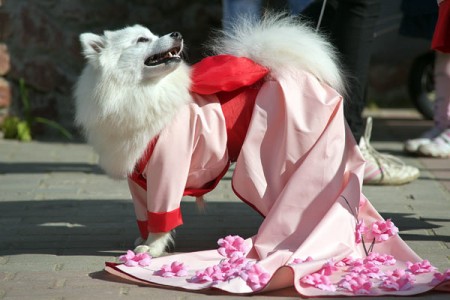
156 244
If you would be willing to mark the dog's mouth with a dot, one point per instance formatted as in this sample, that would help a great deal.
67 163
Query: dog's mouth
172 55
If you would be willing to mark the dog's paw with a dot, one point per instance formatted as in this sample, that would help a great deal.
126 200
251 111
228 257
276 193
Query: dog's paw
155 249
142 249
155 245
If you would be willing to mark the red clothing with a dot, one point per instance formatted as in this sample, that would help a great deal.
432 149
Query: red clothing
235 81
441 37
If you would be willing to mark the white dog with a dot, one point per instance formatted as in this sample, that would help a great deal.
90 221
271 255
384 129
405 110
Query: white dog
135 85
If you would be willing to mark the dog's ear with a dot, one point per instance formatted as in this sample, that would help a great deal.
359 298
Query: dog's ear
92 44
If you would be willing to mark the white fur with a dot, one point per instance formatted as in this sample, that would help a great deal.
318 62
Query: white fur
119 104
281 43
156 244
122 104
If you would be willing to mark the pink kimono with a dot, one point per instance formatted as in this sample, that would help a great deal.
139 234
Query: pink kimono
297 164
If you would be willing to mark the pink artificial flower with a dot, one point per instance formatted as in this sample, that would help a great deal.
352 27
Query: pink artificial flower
236 261
398 280
211 274
356 283
255 276
319 281
347 261
300 260
175 269
232 246
233 267
227 269
133 260
328 268
356 262
439 277
420 267
380 259
370 270
361 228
381 230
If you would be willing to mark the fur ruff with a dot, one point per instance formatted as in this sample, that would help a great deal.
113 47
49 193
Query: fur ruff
119 120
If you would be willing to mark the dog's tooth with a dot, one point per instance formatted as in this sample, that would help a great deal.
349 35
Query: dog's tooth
170 54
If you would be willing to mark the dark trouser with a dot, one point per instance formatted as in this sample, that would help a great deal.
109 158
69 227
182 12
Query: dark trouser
350 25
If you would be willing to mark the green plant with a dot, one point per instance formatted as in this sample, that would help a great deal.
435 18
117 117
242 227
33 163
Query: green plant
16 128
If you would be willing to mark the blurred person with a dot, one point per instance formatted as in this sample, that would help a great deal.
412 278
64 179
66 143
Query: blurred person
235 8
436 141
350 25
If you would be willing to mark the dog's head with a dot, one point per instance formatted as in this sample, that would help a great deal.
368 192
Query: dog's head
133 54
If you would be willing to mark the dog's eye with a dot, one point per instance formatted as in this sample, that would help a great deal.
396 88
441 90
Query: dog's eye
142 40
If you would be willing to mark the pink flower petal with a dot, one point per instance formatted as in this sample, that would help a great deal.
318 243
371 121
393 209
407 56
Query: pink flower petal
256 277
420 267
398 280
347 261
440 277
130 259
359 284
328 268
319 281
144 262
210 274
300 260
361 228
232 246
380 259
235 265
127 256
175 269
381 230
131 263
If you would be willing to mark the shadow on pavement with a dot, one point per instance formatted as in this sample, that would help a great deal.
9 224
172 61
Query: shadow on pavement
48 167
398 129
405 222
99 227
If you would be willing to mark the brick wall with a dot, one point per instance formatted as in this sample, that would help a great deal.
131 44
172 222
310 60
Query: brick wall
43 45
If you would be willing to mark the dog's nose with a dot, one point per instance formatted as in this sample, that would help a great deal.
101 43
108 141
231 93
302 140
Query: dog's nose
176 35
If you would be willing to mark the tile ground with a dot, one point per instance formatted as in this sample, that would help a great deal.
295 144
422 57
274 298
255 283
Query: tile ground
61 218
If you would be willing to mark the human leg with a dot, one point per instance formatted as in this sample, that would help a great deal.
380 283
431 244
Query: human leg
439 146
352 33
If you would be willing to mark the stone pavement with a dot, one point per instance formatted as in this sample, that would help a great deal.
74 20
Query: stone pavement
61 218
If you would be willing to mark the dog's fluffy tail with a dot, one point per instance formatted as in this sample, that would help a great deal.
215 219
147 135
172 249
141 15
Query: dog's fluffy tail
280 42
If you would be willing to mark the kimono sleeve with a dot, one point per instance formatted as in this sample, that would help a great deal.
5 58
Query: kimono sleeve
167 172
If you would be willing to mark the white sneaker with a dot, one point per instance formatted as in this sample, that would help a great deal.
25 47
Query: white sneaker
381 168
412 146
438 147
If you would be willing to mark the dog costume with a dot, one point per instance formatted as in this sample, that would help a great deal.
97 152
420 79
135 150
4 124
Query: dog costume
297 164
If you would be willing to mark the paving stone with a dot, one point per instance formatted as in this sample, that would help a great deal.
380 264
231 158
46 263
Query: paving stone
61 218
